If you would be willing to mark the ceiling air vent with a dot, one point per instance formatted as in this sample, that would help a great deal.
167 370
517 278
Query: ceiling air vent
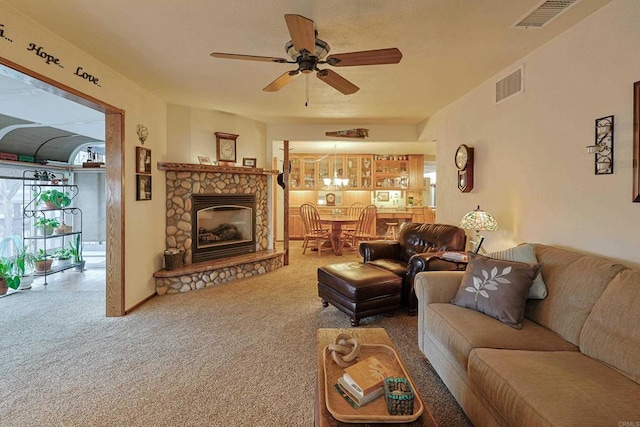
544 13
510 85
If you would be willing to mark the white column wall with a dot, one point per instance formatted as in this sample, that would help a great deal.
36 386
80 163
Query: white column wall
532 171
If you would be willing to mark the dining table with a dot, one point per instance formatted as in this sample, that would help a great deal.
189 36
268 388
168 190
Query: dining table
337 223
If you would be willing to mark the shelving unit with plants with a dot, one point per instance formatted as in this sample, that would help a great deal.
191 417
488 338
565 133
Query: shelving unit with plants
51 225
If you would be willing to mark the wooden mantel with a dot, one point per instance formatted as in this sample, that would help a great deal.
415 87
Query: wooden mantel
194 167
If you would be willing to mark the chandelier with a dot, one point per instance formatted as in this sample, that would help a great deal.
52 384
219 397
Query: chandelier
336 183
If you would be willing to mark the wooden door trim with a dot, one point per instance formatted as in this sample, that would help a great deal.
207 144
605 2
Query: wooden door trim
114 179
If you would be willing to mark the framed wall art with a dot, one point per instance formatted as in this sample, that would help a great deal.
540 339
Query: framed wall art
249 162
636 141
382 196
143 187
204 160
226 148
143 160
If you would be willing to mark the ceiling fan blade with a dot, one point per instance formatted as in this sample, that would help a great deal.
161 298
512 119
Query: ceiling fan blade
366 57
247 57
338 82
282 81
303 35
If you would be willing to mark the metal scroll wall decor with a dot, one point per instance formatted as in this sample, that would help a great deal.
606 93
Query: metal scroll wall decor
604 146
604 139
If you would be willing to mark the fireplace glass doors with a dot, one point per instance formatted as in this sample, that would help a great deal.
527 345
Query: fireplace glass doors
224 226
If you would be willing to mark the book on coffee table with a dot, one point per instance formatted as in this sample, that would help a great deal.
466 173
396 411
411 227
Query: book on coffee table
349 393
367 375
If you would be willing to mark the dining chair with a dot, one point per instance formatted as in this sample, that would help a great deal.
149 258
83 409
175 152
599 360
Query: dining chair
313 229
353 211
363 228
428 215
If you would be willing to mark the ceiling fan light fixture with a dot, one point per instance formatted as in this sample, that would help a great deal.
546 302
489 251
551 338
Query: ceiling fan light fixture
322 49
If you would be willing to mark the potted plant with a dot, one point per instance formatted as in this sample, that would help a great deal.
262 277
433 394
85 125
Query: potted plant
46 225
55 199
7 278
23 265
42 261
13 250
76 251
63 255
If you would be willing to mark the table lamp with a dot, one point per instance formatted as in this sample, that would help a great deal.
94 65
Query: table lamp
478 220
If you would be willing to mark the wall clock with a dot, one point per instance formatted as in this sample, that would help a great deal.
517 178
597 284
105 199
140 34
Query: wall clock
330 199
226 148
464 163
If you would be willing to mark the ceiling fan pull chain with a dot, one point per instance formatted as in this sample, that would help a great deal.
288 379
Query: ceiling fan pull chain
306 104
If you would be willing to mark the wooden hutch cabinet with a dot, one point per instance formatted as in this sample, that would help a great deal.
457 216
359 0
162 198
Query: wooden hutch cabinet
366 173
391 172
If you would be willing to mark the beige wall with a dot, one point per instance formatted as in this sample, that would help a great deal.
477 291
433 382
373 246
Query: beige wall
532 170
191 134
144 236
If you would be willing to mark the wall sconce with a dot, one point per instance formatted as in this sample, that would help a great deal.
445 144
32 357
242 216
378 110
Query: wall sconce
603 148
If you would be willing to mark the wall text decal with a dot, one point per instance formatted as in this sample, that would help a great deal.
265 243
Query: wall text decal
2 34
50 59
81 73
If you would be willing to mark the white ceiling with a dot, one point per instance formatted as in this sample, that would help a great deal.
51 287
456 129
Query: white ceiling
448 48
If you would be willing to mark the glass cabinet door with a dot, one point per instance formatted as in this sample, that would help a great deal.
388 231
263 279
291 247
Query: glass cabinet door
295 174
338 166
324 170
309 172
366 172
352 171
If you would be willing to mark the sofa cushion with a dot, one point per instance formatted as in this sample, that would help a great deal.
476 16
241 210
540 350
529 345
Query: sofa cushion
611 332
574 283
525 252
460 330
536 388
496 288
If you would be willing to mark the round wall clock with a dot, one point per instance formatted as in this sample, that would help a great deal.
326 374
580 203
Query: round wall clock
464 163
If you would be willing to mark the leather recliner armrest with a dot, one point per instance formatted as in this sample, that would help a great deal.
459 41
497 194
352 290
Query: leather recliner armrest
379 249
427 261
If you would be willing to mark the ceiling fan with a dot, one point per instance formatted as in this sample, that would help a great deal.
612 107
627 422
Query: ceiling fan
306 50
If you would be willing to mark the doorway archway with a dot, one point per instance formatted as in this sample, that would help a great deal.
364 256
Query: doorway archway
114 164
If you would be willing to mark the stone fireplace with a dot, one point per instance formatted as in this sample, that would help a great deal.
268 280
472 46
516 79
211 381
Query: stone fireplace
219 217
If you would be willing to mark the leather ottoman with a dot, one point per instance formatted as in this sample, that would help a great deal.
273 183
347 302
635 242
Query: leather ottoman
359 289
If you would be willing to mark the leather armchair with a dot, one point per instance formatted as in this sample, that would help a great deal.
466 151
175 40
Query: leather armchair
414 252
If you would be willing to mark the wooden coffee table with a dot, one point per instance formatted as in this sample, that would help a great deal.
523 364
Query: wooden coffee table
322 417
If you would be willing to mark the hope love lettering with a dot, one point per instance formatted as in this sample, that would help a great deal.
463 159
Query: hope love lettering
51 59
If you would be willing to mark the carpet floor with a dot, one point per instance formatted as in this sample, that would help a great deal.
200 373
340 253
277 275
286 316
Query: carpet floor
238 354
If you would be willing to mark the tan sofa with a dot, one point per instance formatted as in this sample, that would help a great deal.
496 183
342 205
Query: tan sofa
575 362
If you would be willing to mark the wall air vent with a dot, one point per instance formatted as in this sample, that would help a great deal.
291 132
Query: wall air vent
509 86
544 13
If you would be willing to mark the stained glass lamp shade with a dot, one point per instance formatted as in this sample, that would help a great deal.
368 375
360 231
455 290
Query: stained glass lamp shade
479 220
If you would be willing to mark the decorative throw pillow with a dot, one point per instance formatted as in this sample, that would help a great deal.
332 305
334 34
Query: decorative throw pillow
496 288
525 252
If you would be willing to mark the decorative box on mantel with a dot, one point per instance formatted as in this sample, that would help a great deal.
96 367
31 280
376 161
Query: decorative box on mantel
183 181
